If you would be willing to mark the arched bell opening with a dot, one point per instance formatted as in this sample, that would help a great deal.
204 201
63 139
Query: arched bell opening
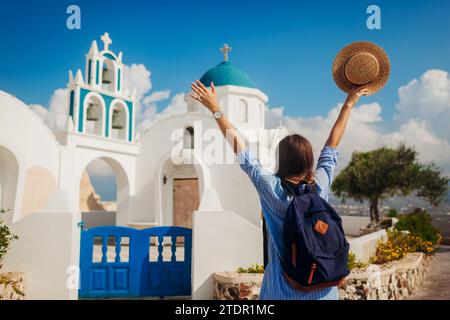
95 116
119 121
108 76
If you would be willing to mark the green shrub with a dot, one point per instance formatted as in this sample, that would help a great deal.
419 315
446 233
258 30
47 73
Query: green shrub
419 224
256 268
353 263
392 213
6 237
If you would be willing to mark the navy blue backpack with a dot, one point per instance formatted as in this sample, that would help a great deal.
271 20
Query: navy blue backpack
316 250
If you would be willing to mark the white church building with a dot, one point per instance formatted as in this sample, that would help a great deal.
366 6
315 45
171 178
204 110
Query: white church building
169 175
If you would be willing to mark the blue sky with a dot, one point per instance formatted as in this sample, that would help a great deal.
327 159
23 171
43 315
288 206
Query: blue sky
286 47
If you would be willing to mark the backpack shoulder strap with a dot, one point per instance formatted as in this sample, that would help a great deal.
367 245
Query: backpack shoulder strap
309 187
288 188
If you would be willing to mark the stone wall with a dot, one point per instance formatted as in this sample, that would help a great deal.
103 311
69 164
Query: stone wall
12 286
391 281
237 286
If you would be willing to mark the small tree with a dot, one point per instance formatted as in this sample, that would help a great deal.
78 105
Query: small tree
419 223
387 172
6 237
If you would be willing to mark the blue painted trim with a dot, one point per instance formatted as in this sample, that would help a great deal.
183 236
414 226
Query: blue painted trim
130 120
71 101
97 73
83 93
89 71
109 56
118 79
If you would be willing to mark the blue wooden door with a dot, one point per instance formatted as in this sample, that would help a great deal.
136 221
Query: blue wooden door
166 271
126 262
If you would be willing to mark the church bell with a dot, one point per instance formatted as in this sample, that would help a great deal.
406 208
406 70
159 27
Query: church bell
92 112
117 120
106 76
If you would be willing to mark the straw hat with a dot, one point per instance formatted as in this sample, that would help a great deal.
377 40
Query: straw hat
361 63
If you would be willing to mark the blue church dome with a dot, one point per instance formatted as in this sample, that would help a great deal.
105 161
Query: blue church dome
226 74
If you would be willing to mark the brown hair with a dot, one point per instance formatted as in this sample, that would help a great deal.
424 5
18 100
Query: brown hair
295 158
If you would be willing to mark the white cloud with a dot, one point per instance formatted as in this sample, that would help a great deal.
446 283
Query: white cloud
361 132
421 121
40 110
99 168
56 114
176 106
149 105
156 97
139 77
431 148
427 98
136 76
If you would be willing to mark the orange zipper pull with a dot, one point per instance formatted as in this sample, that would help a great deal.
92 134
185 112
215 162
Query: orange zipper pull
311 273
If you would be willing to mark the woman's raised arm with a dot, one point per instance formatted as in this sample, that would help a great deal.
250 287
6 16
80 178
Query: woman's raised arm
339 127
209 99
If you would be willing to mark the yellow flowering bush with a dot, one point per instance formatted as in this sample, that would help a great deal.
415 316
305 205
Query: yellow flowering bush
398 245
353 263
256 268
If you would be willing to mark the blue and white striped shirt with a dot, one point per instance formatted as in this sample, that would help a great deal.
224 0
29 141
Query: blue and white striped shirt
274 204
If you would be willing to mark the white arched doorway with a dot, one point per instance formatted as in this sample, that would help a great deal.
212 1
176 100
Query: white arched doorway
181 187
9 170
97 210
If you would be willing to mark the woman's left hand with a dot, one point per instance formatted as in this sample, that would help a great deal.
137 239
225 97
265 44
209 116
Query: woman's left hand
206 97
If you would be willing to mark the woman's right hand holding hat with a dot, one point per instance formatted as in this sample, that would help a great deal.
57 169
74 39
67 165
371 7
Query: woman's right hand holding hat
355 94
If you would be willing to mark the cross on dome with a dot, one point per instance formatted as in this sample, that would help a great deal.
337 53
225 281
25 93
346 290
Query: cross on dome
106 41
226 49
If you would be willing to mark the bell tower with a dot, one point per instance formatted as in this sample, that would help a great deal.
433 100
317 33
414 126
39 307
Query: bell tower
98 103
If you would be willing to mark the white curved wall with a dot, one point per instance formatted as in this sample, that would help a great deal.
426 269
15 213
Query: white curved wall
29 139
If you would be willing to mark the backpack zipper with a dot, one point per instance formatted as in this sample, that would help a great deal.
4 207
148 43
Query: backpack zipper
311 273
294 255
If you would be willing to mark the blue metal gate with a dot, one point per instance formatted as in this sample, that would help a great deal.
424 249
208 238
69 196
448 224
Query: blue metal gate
126 262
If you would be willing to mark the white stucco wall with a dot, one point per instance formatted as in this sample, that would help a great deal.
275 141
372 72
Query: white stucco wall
49 243
222 241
